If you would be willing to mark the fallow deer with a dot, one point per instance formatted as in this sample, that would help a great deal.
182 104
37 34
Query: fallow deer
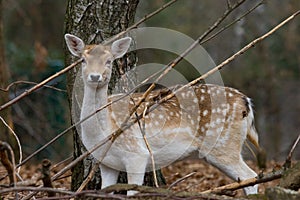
213 121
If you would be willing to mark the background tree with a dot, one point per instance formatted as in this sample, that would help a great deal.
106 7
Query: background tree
95 21
4 96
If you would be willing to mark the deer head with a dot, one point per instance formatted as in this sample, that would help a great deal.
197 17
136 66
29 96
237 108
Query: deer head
97 59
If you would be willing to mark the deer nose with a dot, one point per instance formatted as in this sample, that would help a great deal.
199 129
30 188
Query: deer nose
95 77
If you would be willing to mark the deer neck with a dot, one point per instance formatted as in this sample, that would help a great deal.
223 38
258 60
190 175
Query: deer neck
98 125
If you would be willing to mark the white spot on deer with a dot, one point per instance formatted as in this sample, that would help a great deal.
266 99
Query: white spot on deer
205 112
195 100
202 98
202 129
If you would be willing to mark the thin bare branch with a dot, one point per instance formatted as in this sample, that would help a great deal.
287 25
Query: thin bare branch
39 85
142 129
31 83
288 160
93 171
135 25
17 139
233 22
180 180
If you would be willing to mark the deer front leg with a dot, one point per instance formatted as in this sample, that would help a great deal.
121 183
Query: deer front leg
109 176
136 172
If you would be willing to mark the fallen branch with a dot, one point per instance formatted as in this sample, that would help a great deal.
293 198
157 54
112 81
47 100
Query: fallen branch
245 183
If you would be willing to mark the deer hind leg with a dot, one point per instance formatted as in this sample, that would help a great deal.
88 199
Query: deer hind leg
109 176
235 168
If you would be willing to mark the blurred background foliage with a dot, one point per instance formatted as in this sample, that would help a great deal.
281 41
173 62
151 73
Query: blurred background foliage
268 73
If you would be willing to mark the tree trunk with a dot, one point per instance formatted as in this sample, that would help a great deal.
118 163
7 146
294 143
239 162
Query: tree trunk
4 96
95 21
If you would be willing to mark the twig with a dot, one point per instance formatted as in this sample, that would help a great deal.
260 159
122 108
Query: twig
135 25
17 139
39 85
180 180
233 22
81 157
142 128
287 163
93 171
31 83
63 162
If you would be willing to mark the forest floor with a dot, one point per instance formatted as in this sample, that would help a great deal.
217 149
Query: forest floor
205 176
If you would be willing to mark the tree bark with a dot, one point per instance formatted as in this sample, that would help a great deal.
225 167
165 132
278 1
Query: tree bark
95 21
4 96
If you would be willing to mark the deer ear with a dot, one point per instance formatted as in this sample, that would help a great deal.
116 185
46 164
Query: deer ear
75 44
120 47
